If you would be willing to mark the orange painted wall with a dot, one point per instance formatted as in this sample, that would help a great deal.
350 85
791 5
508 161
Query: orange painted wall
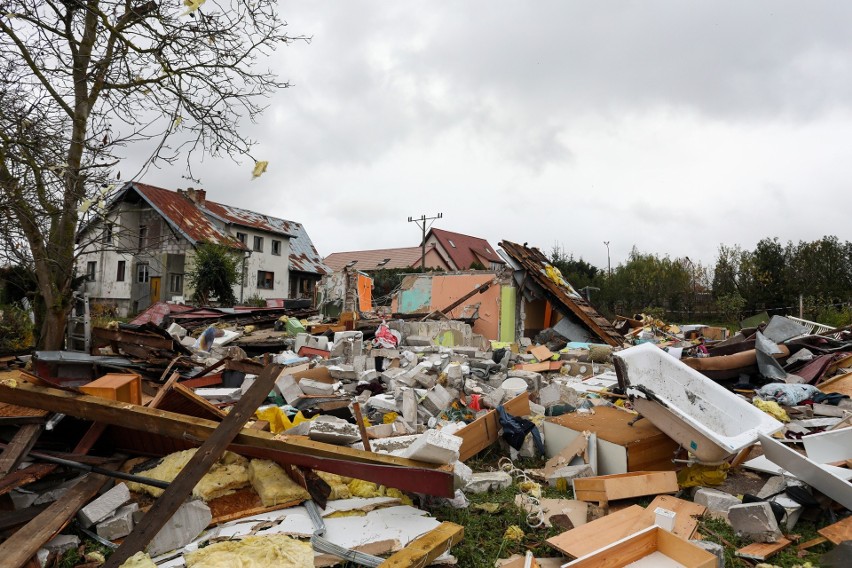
449 288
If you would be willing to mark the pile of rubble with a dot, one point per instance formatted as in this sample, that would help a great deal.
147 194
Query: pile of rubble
171 446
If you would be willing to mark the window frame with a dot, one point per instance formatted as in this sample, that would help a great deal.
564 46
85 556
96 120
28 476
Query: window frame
121 271
257 244
261 281
91 270
276 247
143 269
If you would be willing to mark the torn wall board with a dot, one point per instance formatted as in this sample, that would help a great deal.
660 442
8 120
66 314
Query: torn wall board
564 298
808 471
620 446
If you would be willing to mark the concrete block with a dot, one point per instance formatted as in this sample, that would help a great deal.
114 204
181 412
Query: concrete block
380 431
425 380
392 374
437 400
754 521
339 433
343 372
484 482
462 475
418 341
311 386
715 549
22 499
62 543
494 398
383 403
717 502
289 389
104 506
57 492
184 526
773 486
119 524
793 509
550 395
433 446
569 472
409 407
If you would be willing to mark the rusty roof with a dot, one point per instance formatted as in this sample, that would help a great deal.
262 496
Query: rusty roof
250 219
303 255
184 215
375 259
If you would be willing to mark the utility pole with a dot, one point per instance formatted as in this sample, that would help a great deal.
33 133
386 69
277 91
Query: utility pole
608 265
422 223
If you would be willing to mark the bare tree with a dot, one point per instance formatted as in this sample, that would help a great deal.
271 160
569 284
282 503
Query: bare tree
83 78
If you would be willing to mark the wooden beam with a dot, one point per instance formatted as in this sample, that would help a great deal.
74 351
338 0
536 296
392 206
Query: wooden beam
103 336
22 442
164 390
425 549
209 453
181 426
19 548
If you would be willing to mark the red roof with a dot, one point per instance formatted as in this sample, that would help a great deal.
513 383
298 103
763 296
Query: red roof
374 259
464 250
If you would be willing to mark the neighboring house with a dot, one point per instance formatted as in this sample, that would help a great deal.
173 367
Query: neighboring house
445 250
140 252
460 251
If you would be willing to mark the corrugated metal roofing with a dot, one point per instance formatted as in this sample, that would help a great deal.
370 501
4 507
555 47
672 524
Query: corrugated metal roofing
375 259
184 215
464 250
250 219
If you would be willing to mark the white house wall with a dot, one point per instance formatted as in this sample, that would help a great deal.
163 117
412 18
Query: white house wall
265 261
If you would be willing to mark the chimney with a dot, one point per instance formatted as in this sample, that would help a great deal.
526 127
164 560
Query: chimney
197 196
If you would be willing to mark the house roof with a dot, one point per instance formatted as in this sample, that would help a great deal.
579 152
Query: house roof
193 222
375 259
464 250
303 255
184 215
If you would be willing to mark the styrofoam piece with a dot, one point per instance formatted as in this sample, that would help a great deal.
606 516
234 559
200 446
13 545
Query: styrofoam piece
830 446
664 518
227 337
706 418
762 463
808 471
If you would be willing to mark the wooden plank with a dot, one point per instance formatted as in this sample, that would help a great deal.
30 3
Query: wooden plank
625 485
163 391
597 534
9 519
17 550
485 430
425 549
763 550
22 442
541 353
209 453
411 475
839 531
687 513
811 543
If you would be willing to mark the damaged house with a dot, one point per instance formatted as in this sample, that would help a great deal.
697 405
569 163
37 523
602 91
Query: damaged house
139 252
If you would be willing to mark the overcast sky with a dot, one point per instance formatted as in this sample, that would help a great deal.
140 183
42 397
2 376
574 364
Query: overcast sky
672 126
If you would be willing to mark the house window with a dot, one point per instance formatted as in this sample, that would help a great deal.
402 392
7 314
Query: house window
258 244
91 268
242 237
119 273
452 244
142 273
108 234
143 237
276 248
265 279
176 283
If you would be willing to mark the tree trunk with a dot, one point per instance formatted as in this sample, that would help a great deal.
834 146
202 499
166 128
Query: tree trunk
53 328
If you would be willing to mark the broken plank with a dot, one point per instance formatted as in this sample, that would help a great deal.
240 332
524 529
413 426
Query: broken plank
209 453
687 513
605 488
811 543
763 550
102 336
17 550
601 532
839 531
21 443
485 430
163 391
425 549
437 479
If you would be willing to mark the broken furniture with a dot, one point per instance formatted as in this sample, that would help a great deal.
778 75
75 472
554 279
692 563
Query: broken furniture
652 546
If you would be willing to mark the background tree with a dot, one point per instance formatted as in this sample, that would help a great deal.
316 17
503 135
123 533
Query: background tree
213 273
80 79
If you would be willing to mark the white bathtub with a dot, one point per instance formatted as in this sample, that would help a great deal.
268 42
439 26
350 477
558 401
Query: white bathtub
704 417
